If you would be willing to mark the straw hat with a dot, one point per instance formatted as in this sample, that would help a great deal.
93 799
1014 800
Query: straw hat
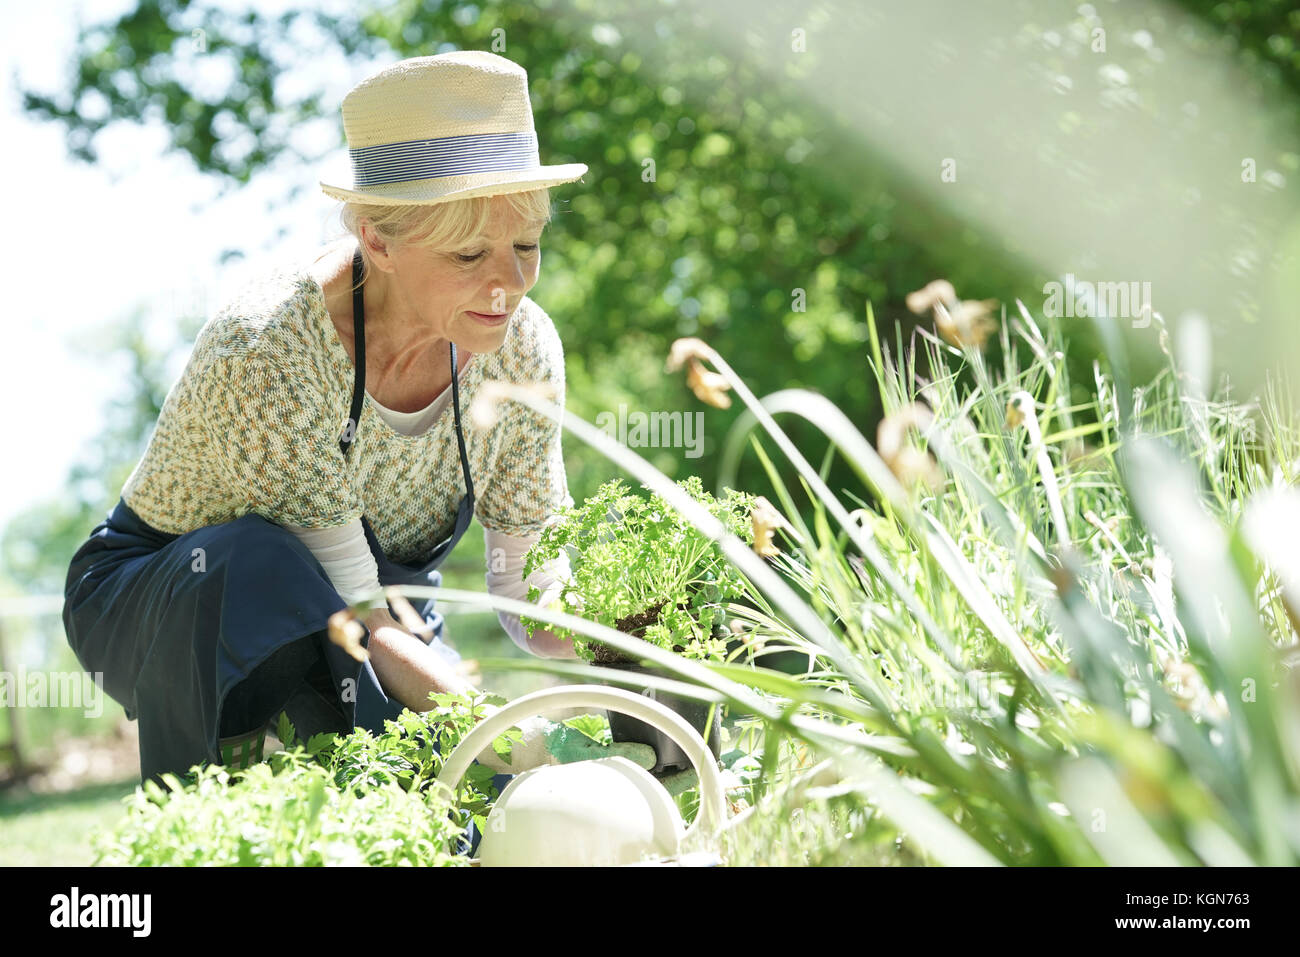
436 128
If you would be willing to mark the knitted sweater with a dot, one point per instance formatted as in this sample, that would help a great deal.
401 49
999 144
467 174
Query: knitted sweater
254 421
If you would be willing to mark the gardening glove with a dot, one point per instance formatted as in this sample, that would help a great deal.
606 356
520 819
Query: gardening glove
550 742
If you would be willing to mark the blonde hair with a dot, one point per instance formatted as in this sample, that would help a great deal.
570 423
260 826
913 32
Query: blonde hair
440 225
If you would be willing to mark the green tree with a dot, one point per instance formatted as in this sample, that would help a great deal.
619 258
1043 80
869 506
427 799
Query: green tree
700 217
718 203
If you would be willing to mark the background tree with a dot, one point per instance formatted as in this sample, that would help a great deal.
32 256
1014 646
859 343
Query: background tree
718 203
701 217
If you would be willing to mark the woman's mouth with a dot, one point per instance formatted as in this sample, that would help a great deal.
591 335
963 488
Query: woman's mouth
491 318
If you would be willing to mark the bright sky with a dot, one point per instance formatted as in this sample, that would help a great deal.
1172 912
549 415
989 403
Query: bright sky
87 245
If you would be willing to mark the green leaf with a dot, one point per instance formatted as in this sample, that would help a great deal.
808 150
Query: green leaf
284 730
592 725
319 742
315 798
504 743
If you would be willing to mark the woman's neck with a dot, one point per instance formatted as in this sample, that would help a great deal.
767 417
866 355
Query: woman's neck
406 367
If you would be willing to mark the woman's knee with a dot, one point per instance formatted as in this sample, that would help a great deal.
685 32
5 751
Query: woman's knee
251 703
253 552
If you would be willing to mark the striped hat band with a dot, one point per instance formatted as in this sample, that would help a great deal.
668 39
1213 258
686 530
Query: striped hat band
445 156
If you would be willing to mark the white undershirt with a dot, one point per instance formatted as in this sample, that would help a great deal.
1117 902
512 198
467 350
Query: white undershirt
413 423
346 557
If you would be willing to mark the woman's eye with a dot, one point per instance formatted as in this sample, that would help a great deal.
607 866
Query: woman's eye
525 248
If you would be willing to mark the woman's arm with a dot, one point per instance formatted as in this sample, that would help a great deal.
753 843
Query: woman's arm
505 569
346 557
406 667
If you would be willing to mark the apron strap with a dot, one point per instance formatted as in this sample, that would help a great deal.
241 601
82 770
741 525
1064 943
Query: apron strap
359 346
359 382
460 438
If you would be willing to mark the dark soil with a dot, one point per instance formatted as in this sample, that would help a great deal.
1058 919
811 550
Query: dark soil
634 625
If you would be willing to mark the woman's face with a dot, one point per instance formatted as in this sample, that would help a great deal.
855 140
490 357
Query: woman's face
440 291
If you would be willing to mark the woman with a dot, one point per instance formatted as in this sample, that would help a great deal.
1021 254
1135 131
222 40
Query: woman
303 458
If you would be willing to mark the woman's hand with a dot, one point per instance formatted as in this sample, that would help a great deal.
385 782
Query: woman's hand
544 644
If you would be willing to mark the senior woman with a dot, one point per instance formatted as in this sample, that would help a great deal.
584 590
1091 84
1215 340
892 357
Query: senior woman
307 455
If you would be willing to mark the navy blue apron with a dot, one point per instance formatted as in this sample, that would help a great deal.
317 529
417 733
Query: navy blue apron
173 623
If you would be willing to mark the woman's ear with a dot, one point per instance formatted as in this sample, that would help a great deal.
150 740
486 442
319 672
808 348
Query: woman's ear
375 248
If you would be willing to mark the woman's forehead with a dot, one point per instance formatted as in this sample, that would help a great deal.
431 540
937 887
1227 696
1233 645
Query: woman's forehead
512 228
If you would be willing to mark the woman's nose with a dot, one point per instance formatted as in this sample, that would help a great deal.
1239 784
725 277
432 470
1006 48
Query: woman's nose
510 272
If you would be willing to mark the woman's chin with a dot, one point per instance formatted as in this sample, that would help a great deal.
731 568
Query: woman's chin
482 340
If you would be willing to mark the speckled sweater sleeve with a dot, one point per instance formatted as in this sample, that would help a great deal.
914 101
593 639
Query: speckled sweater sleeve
276 441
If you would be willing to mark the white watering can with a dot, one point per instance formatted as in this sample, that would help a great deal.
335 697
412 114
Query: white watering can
602 812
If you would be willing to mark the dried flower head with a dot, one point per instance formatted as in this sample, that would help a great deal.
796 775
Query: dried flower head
709 387
689 347
765 520
1189 689
913 467
407 616
968 323
909 464
938 291
1019 407
346 632
960 323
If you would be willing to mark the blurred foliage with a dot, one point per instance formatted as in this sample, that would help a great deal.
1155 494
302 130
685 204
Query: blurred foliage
765 228
1265 31
730 233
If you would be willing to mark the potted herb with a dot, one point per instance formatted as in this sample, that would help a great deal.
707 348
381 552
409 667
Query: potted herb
639 567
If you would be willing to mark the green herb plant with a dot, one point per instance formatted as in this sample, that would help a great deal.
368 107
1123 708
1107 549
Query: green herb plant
359 798
638 566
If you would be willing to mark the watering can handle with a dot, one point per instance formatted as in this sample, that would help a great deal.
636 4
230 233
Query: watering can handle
711 815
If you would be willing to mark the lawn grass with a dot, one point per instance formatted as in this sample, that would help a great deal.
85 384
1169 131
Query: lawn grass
45 830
